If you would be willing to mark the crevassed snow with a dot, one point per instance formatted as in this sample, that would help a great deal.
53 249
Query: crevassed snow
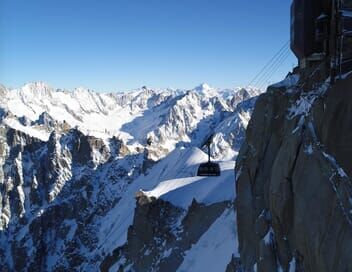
215 248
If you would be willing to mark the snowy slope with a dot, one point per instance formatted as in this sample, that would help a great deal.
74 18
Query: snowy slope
214 249
207 190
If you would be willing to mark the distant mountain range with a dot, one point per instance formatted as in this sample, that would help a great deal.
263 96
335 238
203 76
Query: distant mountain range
165 117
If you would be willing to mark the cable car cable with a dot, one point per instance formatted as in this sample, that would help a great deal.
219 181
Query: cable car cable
275 69
268 71
272 67
267 67
269 63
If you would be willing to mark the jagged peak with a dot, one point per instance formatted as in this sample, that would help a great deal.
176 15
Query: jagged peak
36 86
203 87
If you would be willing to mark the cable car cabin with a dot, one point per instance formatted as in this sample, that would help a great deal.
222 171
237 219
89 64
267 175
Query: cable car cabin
208 169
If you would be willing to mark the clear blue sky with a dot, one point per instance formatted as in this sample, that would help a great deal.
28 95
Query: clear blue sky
111 45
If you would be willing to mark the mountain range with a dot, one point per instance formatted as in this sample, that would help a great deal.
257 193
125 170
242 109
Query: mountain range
107 181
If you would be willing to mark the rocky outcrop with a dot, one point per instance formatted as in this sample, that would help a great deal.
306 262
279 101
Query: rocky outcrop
161 234
294 191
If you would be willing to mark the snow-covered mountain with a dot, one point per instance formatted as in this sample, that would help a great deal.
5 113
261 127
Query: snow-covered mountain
164 118
71 164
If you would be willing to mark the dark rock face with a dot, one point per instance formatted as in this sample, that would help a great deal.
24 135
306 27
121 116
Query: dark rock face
294 191
161 233
234 265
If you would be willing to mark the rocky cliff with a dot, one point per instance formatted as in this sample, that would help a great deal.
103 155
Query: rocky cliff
294 193
163 235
